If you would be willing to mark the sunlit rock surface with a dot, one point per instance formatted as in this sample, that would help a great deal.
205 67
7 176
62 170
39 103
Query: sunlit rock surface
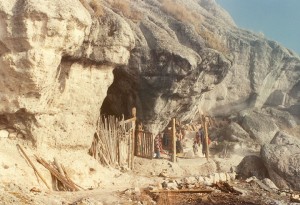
57 61
56 66
179 67
282 160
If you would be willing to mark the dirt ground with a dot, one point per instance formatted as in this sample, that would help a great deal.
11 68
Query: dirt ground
105 186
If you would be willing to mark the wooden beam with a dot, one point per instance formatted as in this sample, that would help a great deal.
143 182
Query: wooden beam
133 123
206 137
127 121
69 184
174 139
183 191
32 165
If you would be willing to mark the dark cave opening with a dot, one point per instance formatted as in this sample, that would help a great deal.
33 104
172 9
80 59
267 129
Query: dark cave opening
122 95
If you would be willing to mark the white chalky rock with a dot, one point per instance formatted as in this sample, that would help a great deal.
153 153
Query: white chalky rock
232 175
4 134
223 177
269 183
200 179
216 177
208 181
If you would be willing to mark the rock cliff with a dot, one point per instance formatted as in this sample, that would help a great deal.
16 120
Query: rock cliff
179 66
282 160
56 66
61 61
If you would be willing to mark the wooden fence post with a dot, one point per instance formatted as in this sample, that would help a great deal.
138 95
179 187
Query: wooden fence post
133 137
174 139
206 136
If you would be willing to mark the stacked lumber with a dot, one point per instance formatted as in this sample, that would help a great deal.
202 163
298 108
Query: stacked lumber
58 172
37 173
61 178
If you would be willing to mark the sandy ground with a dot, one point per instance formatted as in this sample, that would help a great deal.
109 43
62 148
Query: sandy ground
19 184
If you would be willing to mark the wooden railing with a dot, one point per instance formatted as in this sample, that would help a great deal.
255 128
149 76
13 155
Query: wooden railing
114 141
144 144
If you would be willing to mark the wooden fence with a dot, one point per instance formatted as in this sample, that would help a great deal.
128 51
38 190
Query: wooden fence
144 145
113 143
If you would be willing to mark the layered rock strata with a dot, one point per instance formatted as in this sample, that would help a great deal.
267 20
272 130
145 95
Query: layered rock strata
56 66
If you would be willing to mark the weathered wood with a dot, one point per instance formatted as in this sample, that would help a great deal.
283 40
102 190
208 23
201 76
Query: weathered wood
32 165
206 138
70 185
103 157
133 136
60 186
129 151
127 121
204 125
69 179
183 191
174 139
56 163
116 141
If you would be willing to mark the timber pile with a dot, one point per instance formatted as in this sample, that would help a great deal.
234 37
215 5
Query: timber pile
37 173
61 178
113 142
58 172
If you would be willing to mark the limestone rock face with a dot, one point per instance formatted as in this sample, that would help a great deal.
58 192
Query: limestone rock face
56 65
181 65
261 127
281 157
281 117
234 129
57 58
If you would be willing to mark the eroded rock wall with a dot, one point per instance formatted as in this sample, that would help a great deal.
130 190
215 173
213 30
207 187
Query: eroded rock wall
56 66
179 67
57 60
281 157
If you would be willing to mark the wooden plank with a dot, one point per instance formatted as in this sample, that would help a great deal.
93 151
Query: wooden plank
127 121
183 191
32 165
133 136
206 138
152 146
55 173
148 147
174 140
129 151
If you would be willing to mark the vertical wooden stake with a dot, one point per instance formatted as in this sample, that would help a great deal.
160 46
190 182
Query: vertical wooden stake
32 165
206 137
174 140
133 137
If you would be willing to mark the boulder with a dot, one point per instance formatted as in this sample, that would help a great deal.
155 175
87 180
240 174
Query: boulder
294 110
260 126
269 183
252 166
282 159
235 133
281 117
276 98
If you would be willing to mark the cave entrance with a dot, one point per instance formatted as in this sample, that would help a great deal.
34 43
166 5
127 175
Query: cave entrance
122 95
115 141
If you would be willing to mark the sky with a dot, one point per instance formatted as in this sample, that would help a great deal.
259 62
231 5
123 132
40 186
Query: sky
278 20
